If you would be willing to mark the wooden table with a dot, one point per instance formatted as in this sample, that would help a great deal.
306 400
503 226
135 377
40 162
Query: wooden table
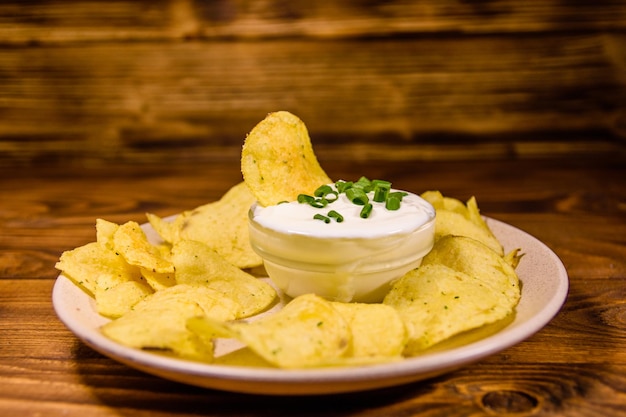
575 366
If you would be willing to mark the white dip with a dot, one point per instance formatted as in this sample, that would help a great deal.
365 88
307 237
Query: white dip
352 260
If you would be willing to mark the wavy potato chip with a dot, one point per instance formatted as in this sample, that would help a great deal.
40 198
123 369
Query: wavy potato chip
461 285
278 162
131 242
105 230
474 258
222 225
158 280
197 264
455 218
94 265
118 300
307 332
378 332
115 284
159 321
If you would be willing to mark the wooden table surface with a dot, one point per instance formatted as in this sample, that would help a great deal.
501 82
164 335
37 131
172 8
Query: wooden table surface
575 366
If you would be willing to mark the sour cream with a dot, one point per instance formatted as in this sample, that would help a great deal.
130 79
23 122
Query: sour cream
353 260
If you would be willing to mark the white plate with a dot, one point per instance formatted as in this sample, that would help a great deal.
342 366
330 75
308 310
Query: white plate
544 290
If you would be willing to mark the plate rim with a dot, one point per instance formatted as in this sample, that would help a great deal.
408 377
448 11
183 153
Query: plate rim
317 380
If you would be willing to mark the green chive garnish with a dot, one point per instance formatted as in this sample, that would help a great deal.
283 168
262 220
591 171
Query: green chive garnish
366 211
322 218
342 186
380 192
323 190
381 183
303 198
392 203
319 203
398 194
357 196
333 214
364 183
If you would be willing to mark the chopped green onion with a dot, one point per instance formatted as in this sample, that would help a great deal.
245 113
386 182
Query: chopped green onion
319 203
380 192
381 183
333 214
314 202
303 198
326 191
364 183
392 203
342 186
357 196
322 191
366 211
322 218
398 194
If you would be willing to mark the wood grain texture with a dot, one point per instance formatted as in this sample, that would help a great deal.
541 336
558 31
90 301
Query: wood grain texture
58 22
149 81
575 366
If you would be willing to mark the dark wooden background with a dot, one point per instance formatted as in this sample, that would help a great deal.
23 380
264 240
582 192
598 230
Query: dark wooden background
91 82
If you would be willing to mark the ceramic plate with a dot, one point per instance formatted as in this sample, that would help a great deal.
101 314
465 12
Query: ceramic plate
544 290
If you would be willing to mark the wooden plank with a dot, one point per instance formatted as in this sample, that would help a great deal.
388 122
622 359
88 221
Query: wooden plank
86 21
179 100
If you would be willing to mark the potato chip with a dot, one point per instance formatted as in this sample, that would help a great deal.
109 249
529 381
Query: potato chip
159 321
242 357
131 242
461 285
197 264
278 162
456 218
307 332
158 280
94 263
118 300
472 257
105 230
514 257
222 225
169 231
378 332
161 327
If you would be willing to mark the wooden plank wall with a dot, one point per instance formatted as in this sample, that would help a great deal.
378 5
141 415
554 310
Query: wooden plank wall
145 81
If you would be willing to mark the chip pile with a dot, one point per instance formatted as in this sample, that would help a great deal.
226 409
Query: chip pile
183 294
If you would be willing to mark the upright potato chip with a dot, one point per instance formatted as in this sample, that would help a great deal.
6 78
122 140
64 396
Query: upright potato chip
278 162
